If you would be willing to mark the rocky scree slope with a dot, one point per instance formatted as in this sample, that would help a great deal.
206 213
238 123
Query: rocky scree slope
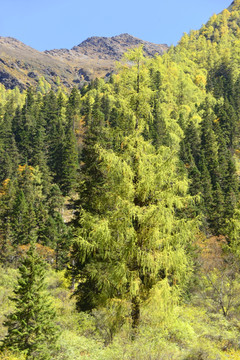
21 65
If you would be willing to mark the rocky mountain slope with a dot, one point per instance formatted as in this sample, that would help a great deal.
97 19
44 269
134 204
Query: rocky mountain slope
21 65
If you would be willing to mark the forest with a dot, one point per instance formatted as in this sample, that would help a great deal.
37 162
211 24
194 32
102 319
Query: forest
120 208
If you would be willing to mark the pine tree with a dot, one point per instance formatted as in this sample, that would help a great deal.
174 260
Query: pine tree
70 166
24 126
190 155
23 221
209 144
55 232
69 156
207 189
73 107
228 123
7 199
54 127
217 213
159 131
9 155
96 133
31 327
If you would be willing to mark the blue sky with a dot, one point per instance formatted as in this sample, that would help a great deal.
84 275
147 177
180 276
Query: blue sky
49 24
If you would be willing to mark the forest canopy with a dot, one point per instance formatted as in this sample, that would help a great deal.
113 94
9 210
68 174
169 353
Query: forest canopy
128 189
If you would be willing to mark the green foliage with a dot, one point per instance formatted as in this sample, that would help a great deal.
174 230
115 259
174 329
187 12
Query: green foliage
130 238
29 213
7 355
43 86
31 327
148 164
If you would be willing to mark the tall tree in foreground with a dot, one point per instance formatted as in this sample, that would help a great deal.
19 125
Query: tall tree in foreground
31 327
137 241
134 242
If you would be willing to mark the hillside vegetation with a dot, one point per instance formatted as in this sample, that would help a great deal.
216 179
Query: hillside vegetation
128 192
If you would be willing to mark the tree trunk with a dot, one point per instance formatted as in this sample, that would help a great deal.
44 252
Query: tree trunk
135 312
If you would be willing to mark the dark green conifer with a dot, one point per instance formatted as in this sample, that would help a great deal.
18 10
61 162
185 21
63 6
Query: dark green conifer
209 146
9 155
7 198
24 126
227 175
23 221
73 107
70 165
55 135
31 326
159 131
69 156
217 220
40 155
96 133
207 189
227 120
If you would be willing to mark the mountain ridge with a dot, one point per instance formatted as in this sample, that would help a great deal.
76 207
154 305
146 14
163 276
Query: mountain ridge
22 65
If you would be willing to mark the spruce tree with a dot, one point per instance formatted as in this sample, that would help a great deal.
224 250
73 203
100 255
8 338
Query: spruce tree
159 131
24 126
228 123
209 144
68 178
31 326
7 199
23 221
190 155
96 133
9 156
69 154
51 111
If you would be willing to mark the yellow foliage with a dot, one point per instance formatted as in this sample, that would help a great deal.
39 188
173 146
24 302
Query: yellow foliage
211 252
4 186
196 119
233 355
45 252
6 182
22 168
226 14
200 80
11 356
213 19
238 33
224 30
236 5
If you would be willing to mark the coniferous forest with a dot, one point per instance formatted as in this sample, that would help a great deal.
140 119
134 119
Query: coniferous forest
120 208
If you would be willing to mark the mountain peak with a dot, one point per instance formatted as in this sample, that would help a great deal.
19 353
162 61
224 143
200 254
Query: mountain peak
124 36
114 47
96 39
96 56
11 41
